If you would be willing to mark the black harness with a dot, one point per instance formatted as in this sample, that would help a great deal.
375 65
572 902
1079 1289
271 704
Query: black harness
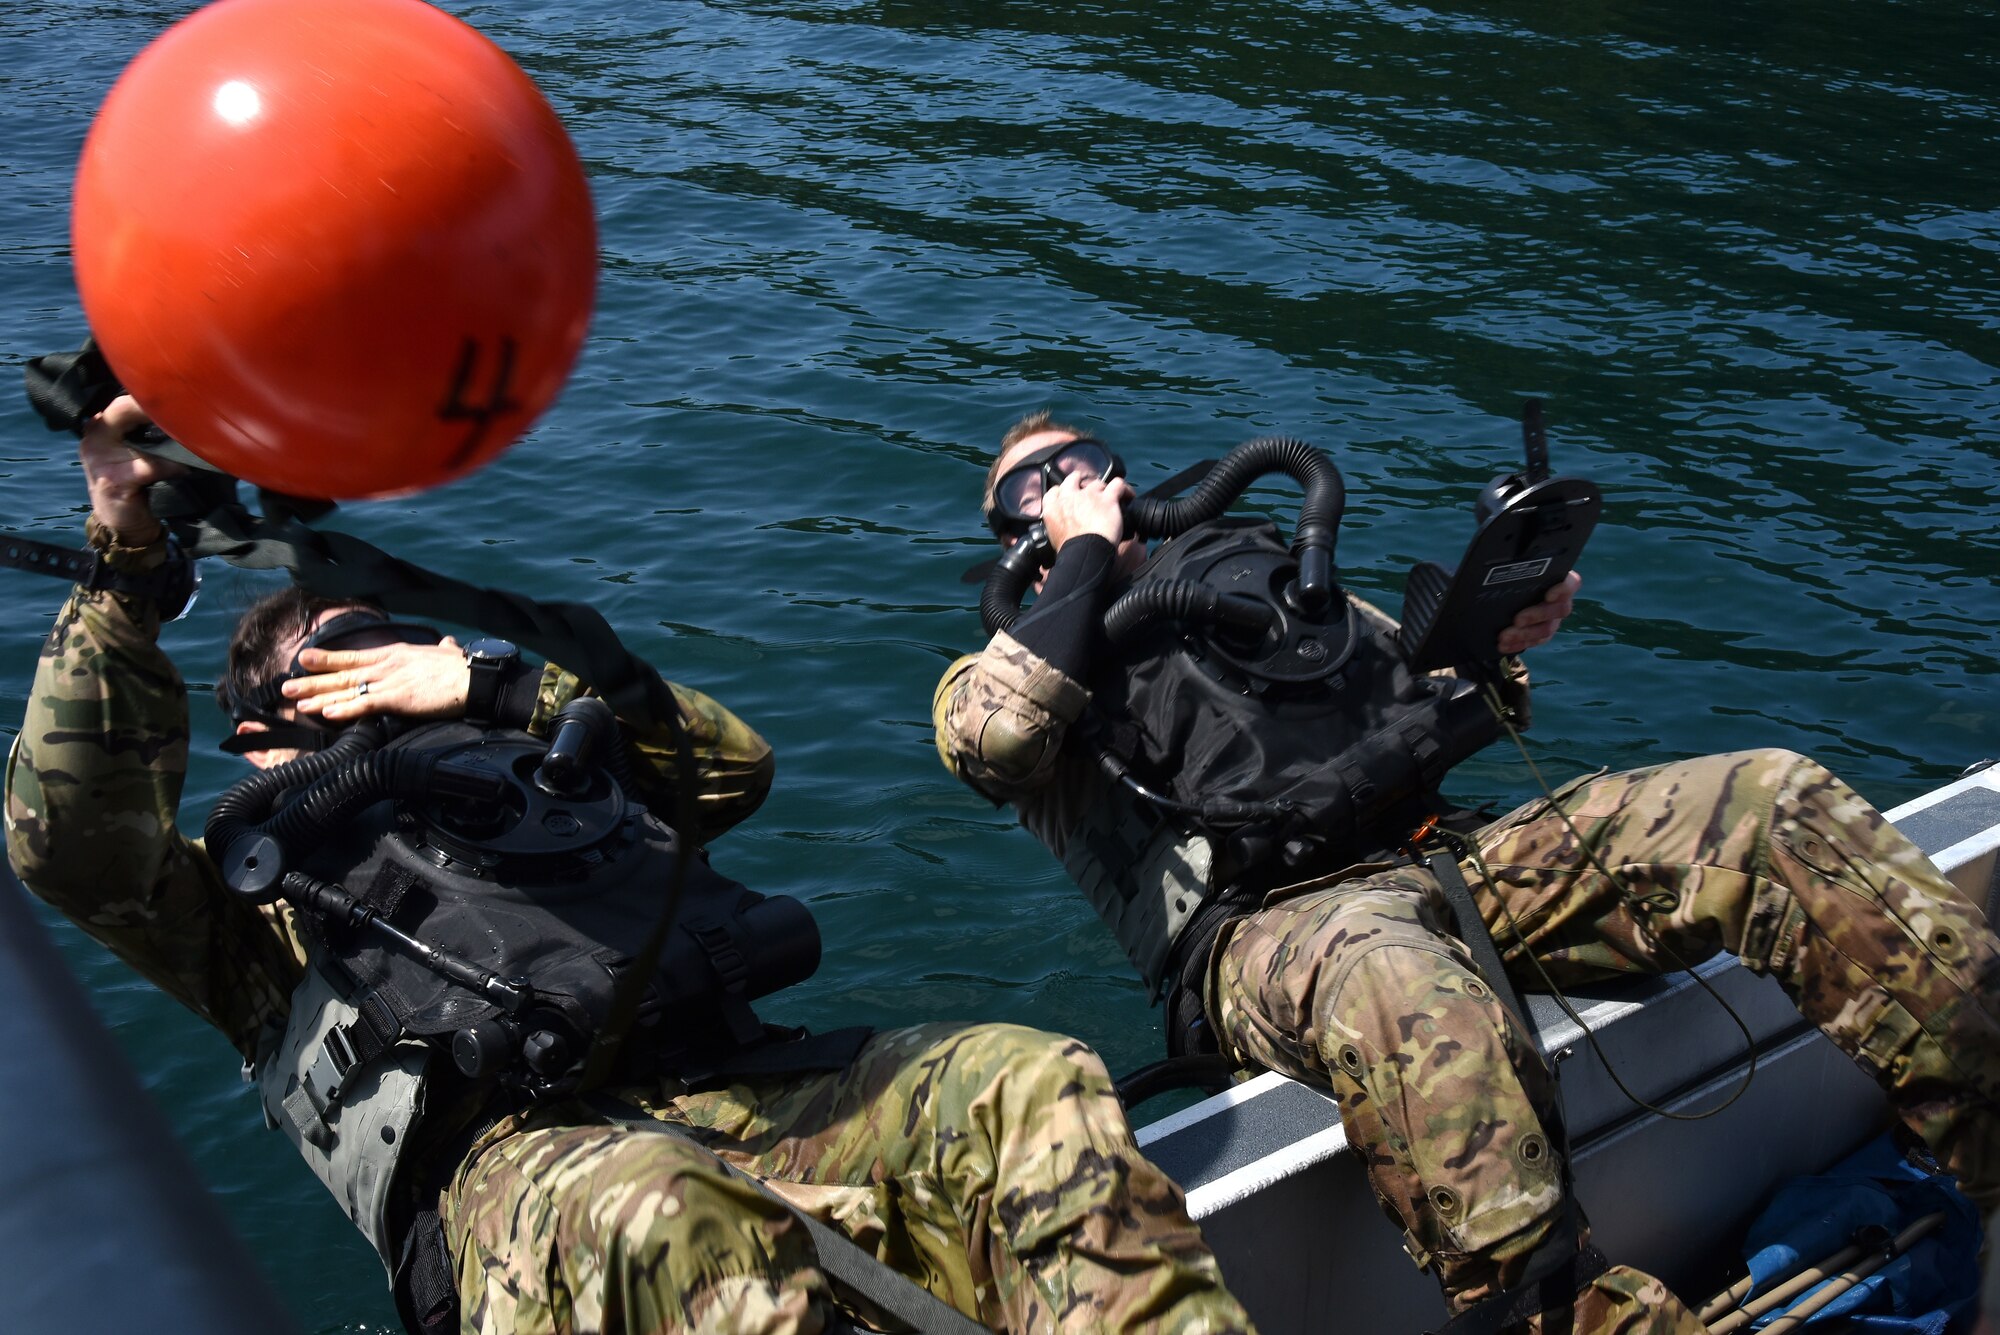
1308 746
489 893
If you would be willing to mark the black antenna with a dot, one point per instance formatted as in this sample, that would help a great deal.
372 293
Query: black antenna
1535 440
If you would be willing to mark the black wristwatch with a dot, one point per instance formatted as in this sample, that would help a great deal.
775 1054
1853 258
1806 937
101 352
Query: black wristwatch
489 660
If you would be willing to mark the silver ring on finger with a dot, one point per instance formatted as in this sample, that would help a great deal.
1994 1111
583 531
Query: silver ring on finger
361 690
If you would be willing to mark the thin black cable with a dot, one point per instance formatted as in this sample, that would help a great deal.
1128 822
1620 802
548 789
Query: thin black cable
1640 905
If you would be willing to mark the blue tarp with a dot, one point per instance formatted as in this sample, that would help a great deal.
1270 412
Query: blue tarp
1932 1288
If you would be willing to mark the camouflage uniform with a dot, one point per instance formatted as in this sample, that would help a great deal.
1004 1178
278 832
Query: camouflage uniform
1356 981
991 1164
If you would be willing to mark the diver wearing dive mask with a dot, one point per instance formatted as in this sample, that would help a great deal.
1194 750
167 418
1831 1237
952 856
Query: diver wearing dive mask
1337 963
1014 498
278 723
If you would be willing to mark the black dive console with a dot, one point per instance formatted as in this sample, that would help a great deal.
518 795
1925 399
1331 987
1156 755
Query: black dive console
1245 696
1531 529
486 891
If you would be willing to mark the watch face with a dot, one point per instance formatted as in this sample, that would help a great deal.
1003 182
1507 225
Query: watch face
489 649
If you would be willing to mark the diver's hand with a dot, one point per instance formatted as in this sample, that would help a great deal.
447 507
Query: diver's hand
411 680
118 475
1086 505
1538 624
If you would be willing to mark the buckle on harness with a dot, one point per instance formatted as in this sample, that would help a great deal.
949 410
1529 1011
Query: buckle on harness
346 1046
720 946
340 1047
730 965
327 1076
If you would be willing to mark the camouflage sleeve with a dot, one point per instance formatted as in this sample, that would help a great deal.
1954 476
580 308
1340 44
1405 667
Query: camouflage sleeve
92 787
733 765
1001 717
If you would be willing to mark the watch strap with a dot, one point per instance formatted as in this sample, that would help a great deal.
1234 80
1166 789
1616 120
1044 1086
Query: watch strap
490 672
482 692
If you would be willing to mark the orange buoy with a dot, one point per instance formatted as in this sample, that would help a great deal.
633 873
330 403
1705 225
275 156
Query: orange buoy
339 248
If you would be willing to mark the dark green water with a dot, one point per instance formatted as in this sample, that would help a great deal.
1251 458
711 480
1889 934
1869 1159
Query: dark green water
1748 258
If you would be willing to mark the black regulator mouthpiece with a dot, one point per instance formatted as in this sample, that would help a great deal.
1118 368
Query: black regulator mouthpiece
1310 593
1013 575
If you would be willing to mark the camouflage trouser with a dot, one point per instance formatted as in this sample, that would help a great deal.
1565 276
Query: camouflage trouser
1763 853
991 1164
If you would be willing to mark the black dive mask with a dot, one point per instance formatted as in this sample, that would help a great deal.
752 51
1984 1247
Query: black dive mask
350 630
1017 495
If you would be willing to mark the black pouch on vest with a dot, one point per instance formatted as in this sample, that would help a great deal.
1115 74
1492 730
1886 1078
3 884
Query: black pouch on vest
425 1288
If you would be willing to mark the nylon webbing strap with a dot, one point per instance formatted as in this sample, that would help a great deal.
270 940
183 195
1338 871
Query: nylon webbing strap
1472 931
338 565
882 1288
846 1264
77 564
1179 482
171 586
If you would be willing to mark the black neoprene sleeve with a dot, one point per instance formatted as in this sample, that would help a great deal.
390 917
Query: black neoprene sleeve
1063 625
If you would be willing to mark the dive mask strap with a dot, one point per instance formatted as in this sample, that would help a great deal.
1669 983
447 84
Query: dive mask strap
277 736
1179 482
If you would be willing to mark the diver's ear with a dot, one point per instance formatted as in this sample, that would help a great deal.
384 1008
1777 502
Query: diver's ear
261 759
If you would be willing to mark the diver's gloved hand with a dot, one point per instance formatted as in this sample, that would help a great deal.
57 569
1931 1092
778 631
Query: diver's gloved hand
118 475
1538 622
419 681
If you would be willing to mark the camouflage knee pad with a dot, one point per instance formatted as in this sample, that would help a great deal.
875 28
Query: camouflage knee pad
1443 1095
1886 956
566 1227
993 1161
